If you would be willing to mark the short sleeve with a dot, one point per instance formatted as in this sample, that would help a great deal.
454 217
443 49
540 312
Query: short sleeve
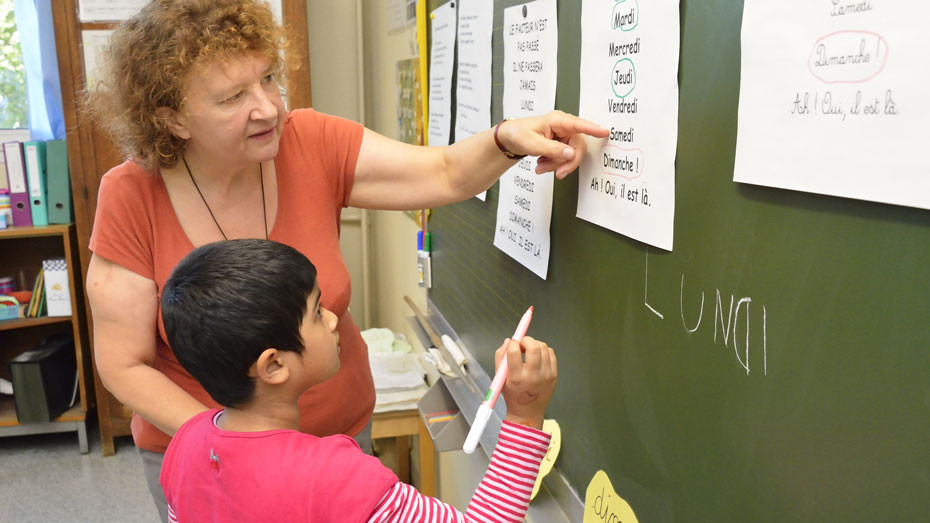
122 228
336 142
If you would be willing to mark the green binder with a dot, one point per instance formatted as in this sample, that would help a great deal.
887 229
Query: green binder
59 182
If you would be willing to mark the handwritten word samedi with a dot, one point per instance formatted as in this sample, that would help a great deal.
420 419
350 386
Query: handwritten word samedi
621 136
845 7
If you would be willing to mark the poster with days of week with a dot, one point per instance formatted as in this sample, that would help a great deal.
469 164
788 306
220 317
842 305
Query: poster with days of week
629 84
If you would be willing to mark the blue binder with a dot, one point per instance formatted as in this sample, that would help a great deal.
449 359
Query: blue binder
38 181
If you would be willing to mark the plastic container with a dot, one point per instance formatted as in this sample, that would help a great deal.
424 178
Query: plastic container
9 308
447 435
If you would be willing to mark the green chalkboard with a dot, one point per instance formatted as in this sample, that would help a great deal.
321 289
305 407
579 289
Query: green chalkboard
831 421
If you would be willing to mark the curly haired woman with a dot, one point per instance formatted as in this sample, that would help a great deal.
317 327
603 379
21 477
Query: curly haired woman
192 94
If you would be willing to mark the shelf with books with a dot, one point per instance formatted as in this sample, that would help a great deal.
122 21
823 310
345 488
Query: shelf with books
22 252
21 323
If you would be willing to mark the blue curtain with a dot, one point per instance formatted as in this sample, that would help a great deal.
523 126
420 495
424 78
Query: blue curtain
43 88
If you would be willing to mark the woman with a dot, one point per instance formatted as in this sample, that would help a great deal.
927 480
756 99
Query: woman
192 94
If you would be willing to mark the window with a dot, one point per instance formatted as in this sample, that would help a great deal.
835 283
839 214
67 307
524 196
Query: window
13 106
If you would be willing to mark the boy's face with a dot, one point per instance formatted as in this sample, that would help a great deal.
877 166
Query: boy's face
320 357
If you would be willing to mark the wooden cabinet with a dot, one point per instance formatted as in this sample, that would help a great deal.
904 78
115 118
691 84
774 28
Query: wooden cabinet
91 154
22 249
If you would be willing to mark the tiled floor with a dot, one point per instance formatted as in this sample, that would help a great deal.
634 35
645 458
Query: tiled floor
45 478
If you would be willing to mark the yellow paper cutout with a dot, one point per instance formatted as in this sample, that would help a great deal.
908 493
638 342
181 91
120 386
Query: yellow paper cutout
551 427
603 505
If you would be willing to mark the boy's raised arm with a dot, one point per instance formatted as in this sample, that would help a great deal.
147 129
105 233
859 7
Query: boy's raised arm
504 493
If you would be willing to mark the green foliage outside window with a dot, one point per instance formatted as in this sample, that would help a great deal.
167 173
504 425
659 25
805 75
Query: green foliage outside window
13 107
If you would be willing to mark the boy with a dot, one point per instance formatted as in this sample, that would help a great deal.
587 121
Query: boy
244 318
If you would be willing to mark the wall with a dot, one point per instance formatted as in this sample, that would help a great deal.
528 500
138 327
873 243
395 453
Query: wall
393 238
337 89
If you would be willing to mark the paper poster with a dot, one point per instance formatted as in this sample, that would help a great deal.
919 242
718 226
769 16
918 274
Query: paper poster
629 84
840 106
524 209
602 503
550 427
442 49
409 98
109 10
119 10
94 42
473 88
395 15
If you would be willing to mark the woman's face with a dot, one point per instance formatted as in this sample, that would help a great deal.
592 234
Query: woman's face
233 113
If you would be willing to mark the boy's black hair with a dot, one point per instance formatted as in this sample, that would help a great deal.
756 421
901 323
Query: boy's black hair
226 302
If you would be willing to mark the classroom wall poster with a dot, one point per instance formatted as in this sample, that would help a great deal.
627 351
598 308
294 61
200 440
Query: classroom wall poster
441 52
94 42
629 84
473 87
119 10
833 99
409 102
524 209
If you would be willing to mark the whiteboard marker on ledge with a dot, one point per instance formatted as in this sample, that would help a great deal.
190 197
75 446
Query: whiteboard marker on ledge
497 384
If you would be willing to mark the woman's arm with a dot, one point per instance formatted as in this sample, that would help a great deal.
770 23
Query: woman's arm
394 175
125 310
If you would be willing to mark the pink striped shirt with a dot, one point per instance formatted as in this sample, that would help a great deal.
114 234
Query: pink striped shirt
502 496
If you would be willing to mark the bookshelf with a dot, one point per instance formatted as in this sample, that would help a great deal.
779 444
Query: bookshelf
22 249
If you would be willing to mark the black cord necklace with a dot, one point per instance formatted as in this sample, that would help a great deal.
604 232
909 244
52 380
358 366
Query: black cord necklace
261 178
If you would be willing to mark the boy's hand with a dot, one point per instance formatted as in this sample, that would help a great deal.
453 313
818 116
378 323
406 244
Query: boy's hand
530 383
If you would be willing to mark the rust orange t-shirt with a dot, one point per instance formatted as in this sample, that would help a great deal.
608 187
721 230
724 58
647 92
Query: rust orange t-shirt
136 228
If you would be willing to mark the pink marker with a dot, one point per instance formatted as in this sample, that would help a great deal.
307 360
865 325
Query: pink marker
497 384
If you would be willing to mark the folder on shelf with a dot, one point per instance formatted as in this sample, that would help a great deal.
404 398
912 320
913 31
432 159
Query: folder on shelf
35 170
59 182
4 183
16 177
